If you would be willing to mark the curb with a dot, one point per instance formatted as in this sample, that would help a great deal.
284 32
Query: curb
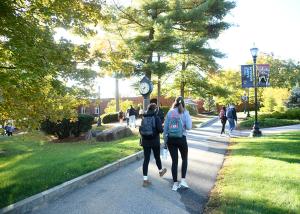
212 120
33 202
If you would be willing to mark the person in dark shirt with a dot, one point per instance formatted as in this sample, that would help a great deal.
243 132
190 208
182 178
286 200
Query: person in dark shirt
151 143
231 117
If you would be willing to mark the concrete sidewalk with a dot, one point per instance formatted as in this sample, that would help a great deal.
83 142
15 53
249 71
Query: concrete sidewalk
122 191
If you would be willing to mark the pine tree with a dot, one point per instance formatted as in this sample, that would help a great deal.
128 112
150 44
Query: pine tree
175 27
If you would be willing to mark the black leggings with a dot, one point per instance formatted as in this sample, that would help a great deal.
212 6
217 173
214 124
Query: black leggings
223 126
147 153
175 144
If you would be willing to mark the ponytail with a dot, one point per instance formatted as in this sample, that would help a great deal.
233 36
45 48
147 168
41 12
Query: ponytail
179 104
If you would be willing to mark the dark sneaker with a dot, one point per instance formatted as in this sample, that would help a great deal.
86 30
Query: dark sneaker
162 172
146 183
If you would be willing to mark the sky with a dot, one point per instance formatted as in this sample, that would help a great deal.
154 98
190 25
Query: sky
272 25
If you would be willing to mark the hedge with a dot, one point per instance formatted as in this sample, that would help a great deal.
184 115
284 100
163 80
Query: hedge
292 114
109 118
66 127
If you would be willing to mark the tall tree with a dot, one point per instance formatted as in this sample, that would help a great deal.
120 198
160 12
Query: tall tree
283 73
175 26
33 66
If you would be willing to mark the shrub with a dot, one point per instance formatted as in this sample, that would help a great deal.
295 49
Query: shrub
294 99
293 114
66 127
273 99
267 122
124 105
209 104
109 118
48 126
83 124
165 109
191 110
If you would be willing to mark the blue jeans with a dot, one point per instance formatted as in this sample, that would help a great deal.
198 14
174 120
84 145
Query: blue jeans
231 124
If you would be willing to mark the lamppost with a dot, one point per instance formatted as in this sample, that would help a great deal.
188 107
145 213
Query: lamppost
248 102
255 131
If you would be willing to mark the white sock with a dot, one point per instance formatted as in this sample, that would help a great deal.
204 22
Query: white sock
182 179
145 178
160 170
176 183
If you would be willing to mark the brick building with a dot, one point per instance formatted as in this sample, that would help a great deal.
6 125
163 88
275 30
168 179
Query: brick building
93 108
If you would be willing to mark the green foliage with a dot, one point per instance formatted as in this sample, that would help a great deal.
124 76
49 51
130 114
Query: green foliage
284 73
230 81
34 67
294 99
110 117
83 124
269 103
268 122
44 164
274 99
124 105
191 110
165 109
176 29
293 114
289 117
209 104
66 127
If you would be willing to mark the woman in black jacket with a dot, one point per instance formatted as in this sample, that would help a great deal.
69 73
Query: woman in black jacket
150 129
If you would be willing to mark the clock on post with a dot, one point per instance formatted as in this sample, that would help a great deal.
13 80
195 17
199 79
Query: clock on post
145 89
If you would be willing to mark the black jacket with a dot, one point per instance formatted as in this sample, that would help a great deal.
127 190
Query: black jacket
159 129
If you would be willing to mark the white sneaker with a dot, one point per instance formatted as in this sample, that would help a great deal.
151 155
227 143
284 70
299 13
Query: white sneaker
184 184
175 187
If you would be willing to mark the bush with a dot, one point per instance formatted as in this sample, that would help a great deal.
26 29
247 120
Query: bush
109 118
83 124
294 99
273 99
292 114
66 127
268 122
124 105
192 111
165 109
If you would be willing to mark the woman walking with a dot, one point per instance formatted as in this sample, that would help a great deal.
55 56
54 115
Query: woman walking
223 118
150 129
178 120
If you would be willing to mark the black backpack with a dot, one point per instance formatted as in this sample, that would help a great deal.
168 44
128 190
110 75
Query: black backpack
147 128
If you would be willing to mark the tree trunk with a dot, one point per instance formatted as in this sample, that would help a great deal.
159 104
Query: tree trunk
182 83
158 84
158 91
117 95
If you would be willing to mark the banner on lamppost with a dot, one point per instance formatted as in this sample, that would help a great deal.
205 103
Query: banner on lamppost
247 76
263 75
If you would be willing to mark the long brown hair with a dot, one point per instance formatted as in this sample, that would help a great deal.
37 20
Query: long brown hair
179 103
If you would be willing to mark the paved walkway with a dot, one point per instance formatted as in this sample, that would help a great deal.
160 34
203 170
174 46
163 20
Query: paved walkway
122 192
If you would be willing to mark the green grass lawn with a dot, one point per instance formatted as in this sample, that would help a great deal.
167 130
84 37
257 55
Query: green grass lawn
31 164
260 175
267 122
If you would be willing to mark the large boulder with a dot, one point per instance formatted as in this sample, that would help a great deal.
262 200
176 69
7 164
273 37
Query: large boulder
114 134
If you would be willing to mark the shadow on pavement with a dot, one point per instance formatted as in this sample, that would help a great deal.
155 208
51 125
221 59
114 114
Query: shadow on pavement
192 200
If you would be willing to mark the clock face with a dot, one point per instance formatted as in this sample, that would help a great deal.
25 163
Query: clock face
144 88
